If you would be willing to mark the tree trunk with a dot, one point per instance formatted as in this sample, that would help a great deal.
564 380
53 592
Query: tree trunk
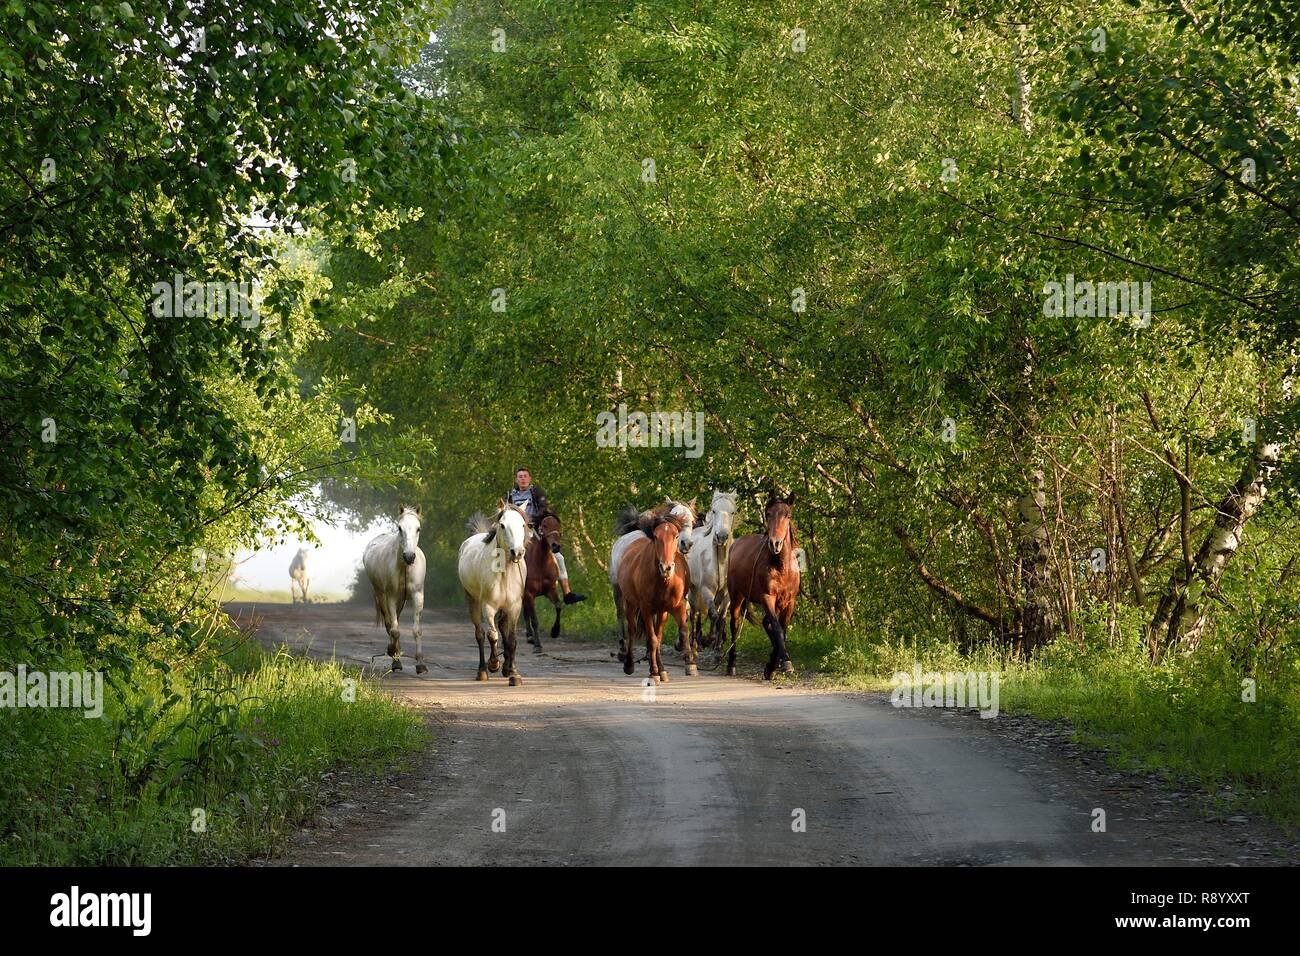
1037 624
1182 614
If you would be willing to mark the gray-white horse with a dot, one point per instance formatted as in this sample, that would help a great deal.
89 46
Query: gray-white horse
492 572
299 575
707 560
394 564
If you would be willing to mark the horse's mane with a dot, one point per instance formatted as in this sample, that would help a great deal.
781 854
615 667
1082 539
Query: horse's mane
626 520
478 523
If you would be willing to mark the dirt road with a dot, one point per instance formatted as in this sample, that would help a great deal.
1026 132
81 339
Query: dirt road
583 767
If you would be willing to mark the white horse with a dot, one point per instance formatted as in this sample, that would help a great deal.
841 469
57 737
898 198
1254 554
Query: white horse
300 575
707 560
627 527
493 574
395 566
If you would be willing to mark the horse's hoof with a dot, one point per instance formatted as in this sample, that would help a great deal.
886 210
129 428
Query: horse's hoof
515 680
494 665
628 668
421 669
555 634
482 675
663 677
788 667
768 671
397 665
692 670
731 670
679 646
537 649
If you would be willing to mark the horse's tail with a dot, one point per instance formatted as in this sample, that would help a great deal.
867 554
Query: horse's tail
625 521
478 523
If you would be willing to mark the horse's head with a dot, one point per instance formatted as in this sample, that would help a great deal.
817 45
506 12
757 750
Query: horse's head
665 531
776 517
722 516
408 526
511 531
548 529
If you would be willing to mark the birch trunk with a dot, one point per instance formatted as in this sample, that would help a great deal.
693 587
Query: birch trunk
1183 612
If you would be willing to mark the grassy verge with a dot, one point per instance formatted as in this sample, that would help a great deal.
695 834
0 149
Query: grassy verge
239 744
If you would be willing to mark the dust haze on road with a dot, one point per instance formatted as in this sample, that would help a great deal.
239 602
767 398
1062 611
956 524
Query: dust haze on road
583 767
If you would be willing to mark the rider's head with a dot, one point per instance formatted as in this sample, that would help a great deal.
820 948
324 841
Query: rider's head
523 478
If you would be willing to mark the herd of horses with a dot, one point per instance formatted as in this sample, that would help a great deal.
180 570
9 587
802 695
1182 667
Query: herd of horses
665 562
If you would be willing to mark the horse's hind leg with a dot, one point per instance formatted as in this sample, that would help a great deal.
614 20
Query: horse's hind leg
627 655
476 615
738 607
559 606
682 625
530 620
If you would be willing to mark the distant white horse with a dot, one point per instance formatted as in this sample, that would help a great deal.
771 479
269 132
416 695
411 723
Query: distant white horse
707 560
300 575
627 527
395 566
492 572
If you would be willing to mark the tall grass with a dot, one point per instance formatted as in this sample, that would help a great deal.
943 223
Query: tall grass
212 764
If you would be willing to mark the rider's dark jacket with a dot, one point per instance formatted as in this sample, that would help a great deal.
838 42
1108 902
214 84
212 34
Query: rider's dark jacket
537 503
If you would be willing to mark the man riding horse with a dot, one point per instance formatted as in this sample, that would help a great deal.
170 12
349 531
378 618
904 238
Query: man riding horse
531 499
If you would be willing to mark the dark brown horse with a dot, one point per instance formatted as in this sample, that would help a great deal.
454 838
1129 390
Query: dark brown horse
653 581
543 576
764 569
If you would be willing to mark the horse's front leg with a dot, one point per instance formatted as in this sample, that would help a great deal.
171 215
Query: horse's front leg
490 624
679 613
784 616
773 628
621 613
717 619
394 632
509 670
417 599
654 644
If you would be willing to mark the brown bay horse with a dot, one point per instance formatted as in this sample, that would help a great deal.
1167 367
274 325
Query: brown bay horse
653 582
543 577
764 569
